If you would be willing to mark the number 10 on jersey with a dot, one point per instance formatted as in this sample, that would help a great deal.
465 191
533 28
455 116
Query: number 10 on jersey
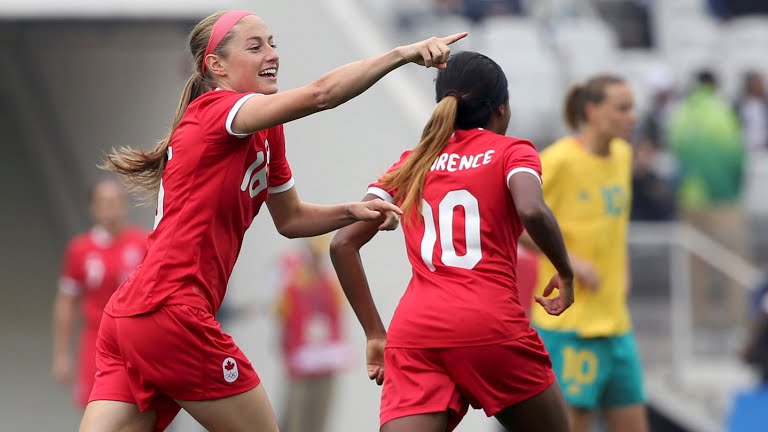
445 226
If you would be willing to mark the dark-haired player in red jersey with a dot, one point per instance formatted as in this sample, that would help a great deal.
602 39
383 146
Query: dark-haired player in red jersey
159 346
95 264
460 336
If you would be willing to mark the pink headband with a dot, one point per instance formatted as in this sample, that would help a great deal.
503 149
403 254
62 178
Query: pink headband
220 29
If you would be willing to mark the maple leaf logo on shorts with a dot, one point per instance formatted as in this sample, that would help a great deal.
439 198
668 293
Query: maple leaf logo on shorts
229 368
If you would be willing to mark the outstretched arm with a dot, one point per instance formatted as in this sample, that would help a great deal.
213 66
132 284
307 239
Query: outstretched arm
345 255
545 233
294 218
338 86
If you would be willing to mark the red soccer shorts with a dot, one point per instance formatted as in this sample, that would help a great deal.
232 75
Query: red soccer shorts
175 353
488 377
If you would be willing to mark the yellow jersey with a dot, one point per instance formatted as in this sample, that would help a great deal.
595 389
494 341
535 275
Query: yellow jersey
590 196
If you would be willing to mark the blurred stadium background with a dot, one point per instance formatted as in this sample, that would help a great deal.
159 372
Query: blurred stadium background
80 77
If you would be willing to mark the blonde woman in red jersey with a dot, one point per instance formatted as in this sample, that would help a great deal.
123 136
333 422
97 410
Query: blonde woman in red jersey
159 347
460 336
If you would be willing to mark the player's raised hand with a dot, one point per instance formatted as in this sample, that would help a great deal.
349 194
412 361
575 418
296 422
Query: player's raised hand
371 210
374 357
557 305
432 52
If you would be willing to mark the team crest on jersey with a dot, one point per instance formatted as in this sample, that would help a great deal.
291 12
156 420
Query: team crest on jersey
229 367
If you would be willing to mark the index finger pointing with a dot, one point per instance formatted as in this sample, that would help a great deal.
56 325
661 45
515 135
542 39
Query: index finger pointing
453 38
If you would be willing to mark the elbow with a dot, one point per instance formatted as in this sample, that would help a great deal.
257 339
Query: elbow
532 214
287 230
340 244
289 233
322 96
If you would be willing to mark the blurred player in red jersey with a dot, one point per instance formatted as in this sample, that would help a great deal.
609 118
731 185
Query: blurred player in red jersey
95 264
159 346
460 336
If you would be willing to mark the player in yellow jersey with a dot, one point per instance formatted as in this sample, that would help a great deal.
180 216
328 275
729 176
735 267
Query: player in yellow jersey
587 183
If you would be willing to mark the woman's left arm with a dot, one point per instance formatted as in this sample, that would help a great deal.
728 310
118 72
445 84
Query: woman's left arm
294 218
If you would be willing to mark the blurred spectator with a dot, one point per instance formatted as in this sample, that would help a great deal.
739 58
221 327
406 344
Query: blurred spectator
95 264
752 108
654 170
313 344
663 98
652 196
703 133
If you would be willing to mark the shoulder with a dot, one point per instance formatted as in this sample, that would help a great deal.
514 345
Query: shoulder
515 143
78 246
80 241
405 154
622 148
558 152
559 147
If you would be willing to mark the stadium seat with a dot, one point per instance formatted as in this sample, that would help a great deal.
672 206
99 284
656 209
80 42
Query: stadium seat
690 43
586 47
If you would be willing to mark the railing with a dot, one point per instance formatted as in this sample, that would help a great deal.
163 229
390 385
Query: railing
685 241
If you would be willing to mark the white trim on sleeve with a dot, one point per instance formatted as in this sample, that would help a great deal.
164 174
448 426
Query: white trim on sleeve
233 113
69 286
524 170
381 193
283 187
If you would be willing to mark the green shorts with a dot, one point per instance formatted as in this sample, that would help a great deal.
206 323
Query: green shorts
598 372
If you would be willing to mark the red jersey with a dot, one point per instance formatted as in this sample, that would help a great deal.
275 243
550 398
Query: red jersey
463 248
95 264
212 187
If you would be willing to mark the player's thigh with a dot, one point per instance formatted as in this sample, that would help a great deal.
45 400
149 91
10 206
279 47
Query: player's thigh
246 412
624 383
630 418
432 422
114 416
545 412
